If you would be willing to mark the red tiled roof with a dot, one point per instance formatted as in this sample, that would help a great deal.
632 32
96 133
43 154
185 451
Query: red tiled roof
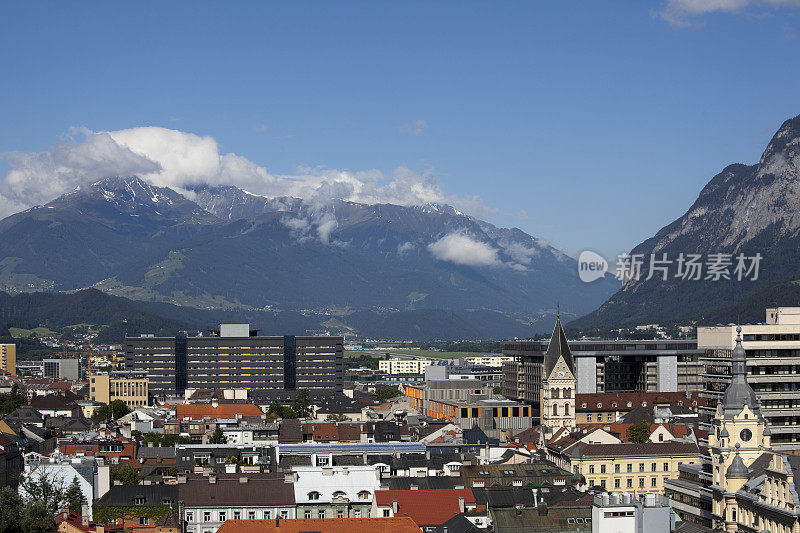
198 411
322 431
426 507
636 399
323 525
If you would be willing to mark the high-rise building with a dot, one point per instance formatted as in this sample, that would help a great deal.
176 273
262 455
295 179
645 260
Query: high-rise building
235 357
8 358
772 364
61 369
608 366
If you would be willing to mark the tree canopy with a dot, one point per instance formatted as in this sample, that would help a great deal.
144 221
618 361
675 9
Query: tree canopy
638 432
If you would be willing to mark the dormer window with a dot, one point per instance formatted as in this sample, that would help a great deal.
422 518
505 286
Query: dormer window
313 495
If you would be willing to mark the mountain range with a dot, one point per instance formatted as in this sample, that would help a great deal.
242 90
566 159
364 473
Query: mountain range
224 249
745 209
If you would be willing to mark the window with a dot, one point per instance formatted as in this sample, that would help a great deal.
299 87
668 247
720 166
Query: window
652 467
589 417
356 513
610 417
641 467
251 515
660 437
339 494
144 521
223 516
313 495
307 513
339 513
653 482
630 467
237 515
666 467
386 513
603 469
267 515
284 514
641 482
363 495
630 483
616 468
207 516
591 469
616 483
189 516
138 500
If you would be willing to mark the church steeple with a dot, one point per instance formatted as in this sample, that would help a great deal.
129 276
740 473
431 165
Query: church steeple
557 392
739 393
557 349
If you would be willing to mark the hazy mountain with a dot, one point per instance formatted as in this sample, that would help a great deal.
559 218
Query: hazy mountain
227 248
745 209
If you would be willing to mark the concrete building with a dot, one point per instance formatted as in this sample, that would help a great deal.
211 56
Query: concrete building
130 387
8 358
463 369
61 369
490 415
334 491
773 368
624 513
404 365
236 357
608 366
420 396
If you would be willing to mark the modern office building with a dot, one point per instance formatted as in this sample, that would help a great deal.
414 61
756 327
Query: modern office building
61 369
607 366
8 358
236 357
404 365
130 387
773 368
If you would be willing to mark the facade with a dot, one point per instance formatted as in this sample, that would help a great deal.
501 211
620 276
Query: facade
209 501
61 369
608 366
131 388
773 369
742 485
487 414
333 491
235 357
557 395
623 513
8 358
608 407
426 398
404 365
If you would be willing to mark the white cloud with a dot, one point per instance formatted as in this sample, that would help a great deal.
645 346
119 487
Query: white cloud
180 160
462 249
415 128
684 13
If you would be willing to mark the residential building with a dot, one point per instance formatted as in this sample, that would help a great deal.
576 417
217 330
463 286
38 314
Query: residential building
494 361
627 466
624 513
134 507
94 478
428 508
608 365
61 369
609 407
8 358
235 357
773 369
222 458
402 524
398 364
461 369
129 387
113 450
209 501
334 491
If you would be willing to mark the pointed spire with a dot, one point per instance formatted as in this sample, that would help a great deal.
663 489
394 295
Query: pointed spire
739 393
558 348
737 468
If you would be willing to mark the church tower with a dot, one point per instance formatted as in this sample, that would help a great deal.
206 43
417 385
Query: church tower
557 394
739 436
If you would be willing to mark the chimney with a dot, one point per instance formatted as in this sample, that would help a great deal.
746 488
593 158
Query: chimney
394 507
414 487
215 403
85 514
242 479
150 444
212 478
181 478
460 504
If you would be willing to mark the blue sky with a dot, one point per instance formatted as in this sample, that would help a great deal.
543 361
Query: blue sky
590 124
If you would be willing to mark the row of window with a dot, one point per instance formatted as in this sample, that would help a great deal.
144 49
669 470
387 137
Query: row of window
363 495
628 483
221 516
629 468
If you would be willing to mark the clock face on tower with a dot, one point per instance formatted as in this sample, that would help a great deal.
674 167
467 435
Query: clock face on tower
560 373
745 435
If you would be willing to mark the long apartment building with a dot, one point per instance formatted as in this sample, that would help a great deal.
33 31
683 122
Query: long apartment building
607 366
236 357
773 368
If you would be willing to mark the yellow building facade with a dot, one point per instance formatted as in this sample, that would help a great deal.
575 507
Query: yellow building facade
8 358
105 389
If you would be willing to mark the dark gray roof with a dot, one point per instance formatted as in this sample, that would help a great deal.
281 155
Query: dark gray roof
552 520
503 497
737 469
691 527
257 491
155 452
458 524
557 348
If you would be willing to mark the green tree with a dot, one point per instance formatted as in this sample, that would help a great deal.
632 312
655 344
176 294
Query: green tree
37 518
74 496
387 393
497 390
45 488
218 437
127 475
10 511
302 404
638 432
281 411
108 412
